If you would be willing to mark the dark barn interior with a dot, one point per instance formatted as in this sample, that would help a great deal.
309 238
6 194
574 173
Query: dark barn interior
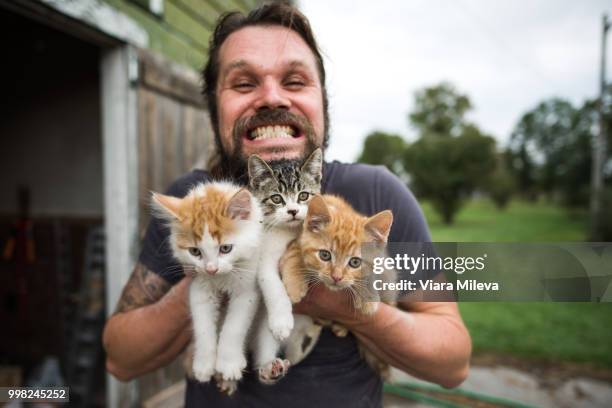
51 211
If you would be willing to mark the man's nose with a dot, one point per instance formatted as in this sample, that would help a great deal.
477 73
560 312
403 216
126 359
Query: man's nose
272 96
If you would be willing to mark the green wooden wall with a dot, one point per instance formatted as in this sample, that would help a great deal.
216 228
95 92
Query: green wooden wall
182 31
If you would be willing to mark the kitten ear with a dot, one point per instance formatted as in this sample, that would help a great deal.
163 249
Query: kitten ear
166 207
313 166
379 225
260 174
318 214
239 205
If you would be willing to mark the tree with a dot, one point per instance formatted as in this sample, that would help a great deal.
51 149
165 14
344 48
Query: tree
448 170
540 142
440 111
501 185
551 150
384 148
523 168
452 156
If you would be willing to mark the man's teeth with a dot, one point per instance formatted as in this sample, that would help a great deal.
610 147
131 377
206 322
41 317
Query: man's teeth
268 132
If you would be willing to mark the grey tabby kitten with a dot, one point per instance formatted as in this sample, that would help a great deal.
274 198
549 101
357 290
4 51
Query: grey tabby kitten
283 191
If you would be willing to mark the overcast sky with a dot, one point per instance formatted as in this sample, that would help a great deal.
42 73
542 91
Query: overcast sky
506 56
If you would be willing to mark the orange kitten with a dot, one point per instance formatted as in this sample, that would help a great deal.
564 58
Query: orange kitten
329 250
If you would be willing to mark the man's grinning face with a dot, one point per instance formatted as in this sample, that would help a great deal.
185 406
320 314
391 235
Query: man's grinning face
269 95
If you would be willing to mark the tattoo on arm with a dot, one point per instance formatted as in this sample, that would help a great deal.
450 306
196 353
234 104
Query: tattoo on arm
143 288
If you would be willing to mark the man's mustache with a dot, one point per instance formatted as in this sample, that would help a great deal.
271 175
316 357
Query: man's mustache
271 117
233 164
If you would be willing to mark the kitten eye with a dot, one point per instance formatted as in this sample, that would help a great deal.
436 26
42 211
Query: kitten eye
226 248
303 196
325 255
195 251
354 262
277 199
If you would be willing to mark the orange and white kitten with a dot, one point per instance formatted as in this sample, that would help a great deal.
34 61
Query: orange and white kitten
214 233
329 250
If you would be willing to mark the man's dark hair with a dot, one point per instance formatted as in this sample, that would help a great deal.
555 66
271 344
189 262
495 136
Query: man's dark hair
274 14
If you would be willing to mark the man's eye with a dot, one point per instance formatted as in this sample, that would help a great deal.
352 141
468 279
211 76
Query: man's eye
195 251
354 262
277 199
303 196
226 248
325 255
243 86
295 84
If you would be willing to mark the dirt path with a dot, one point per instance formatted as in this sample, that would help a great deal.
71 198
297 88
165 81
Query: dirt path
537 385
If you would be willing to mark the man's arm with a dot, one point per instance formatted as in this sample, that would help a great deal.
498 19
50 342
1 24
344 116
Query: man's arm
429 342
150 327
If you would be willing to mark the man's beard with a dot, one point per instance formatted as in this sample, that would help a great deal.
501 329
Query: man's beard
233 165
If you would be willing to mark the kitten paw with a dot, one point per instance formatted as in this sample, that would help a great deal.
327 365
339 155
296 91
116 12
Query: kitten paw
202 370
339 330
225 386
295 297
231 368
369 308
281 325
274 371
296 294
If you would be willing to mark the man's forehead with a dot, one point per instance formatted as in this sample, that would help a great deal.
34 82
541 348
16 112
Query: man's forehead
265 47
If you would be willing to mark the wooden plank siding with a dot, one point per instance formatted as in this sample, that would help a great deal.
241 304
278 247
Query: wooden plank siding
174 134
174 137
202 9
190 24
182 32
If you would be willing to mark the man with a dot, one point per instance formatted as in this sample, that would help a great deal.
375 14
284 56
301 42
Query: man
264 70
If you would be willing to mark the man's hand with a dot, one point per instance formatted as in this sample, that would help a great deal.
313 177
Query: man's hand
150 327
326 304
430 341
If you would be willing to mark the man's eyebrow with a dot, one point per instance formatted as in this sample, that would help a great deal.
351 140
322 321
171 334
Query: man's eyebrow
238 64
297 64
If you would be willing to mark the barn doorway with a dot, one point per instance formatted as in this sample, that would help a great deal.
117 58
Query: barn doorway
51 211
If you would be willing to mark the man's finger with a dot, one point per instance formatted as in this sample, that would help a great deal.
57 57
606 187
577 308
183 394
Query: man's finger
301 306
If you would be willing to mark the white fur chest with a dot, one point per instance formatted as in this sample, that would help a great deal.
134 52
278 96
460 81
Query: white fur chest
228 283
275 241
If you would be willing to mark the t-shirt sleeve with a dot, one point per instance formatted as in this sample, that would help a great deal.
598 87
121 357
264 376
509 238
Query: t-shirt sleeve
409 223
156 253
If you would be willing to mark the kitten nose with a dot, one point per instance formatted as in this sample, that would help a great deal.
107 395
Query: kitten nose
337 278
211 269
292 212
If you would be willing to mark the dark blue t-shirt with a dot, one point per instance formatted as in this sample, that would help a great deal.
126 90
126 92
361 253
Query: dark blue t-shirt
333 374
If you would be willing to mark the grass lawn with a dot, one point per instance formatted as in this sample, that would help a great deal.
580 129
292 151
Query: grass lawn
578 332
480 221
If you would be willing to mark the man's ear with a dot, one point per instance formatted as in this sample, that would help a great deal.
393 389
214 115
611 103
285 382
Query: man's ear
313 166
318 214
166 207
239 205
261 176
379 225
